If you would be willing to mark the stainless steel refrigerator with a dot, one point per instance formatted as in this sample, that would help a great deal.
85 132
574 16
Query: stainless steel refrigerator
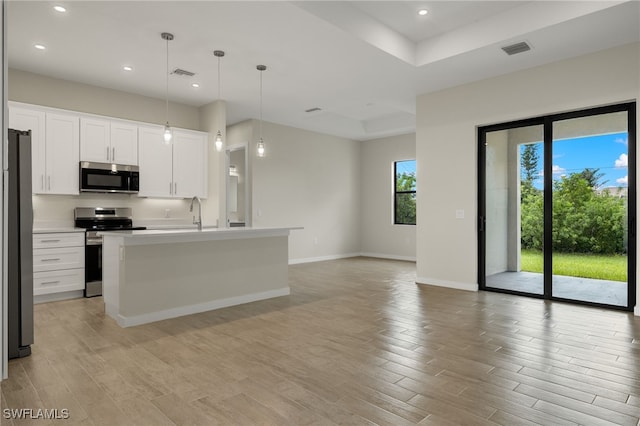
20 244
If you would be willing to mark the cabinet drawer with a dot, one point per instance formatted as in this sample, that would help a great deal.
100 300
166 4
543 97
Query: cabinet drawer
62 239
55 259
58 281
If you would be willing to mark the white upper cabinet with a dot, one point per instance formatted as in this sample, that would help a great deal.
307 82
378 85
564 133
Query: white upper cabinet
156 163
55 148
108 141
172 170
62 136
189 164
124 143
61 139
95 140
27 119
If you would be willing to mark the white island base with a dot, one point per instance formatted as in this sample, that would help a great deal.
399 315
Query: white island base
154 275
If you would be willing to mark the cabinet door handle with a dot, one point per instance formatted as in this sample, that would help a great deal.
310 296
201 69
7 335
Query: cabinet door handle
107 153
113 155
50 282
50 241
53 259
49 183
175 188
42 182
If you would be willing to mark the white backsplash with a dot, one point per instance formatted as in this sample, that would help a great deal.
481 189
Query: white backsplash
51 211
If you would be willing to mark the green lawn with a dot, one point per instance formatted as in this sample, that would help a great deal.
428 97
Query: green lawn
602 267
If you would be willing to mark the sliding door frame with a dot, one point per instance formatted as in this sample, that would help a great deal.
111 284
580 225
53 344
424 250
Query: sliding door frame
547 123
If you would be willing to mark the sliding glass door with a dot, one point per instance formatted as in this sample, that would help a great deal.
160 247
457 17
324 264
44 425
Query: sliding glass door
557 207
590 208
514 194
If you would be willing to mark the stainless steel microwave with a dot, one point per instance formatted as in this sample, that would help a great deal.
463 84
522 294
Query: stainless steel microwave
107 177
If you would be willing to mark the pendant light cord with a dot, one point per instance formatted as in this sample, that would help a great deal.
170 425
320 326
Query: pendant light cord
167 86
219 78
261 104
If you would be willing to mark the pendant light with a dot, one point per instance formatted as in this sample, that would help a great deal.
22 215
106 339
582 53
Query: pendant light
168 133
260 147
219 54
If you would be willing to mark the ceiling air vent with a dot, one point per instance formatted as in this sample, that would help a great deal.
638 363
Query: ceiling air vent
315 109
179 71
516 48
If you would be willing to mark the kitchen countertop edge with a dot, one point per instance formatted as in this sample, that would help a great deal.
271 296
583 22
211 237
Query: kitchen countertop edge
57 230
150 236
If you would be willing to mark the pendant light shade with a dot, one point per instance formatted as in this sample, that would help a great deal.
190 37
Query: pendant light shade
218 142
168 132
260 148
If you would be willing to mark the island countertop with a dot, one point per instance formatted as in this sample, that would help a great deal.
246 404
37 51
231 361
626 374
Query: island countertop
162 236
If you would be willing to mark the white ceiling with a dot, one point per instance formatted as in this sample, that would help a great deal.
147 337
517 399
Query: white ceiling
362 62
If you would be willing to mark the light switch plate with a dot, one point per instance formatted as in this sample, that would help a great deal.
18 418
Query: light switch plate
459 214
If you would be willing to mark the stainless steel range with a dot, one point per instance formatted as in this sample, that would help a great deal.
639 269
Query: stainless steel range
95 220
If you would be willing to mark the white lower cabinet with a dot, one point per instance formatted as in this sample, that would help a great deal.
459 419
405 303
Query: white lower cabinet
58 281
58 262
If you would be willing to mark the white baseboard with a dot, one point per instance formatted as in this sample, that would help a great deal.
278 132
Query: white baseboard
130 321
55 297
448 284
636 311
389 256
322 258
345 256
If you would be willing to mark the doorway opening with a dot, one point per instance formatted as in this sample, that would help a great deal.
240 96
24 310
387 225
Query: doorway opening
557 207
237 186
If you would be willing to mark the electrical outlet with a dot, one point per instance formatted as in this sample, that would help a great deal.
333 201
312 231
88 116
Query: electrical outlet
460 214
167 212
315 240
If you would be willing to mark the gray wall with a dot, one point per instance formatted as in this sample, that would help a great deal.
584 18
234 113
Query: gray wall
446 246
379 236
307 179
52 92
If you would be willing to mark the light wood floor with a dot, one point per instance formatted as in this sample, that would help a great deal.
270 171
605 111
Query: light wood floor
357 342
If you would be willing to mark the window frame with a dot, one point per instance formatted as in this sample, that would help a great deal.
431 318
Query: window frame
396 193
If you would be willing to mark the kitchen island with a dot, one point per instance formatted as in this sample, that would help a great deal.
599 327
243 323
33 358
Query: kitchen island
153 275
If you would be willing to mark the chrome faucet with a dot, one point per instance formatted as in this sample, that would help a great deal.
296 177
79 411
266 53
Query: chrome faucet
199 221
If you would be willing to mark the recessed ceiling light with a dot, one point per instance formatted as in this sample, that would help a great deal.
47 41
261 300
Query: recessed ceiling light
127 68
59 9
423 12
196 85
39 46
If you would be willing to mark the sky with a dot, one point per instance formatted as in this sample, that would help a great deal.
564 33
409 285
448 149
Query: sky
608 152
408 166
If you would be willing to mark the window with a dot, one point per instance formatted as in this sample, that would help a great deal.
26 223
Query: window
404 192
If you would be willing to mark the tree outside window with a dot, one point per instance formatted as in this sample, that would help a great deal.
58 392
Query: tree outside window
404 196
